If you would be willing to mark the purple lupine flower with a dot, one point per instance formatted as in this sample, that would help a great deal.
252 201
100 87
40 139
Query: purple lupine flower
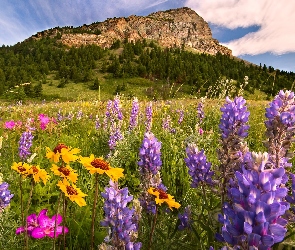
150 154
97 122
199 167
255 218
280 128
291 198
149 166
117 108
5 195
149 116
233 127
234 118
108 114
79 115
115 135
200 112
181 116
119 217
185 219
166 123
134 114
60 115
25 143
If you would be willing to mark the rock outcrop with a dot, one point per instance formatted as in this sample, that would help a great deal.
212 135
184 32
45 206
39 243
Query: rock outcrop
176 27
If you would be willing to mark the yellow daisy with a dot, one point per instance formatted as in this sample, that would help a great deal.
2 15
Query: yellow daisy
75 194
38 174
21 168
65 172
161 196
100 166
62 151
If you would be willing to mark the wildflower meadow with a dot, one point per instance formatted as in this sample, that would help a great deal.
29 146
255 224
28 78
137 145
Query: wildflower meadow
134 174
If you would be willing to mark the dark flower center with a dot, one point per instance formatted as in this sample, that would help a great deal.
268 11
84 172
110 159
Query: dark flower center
35 170
99 163
59 147
64 171
162 193
21 169
71 190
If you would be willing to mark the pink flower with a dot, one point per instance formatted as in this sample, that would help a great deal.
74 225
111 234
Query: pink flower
41 226
201 131
44 120
47 226
32 222
10 124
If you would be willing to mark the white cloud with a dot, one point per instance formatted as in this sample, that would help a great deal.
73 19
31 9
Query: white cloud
275 19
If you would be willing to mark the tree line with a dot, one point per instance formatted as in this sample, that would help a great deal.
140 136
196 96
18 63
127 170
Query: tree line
33 60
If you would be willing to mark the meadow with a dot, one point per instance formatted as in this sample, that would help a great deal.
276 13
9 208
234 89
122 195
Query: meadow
92 138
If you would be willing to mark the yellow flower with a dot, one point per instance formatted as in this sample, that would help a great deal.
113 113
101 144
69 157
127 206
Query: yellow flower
98 165
63 152
38 174
162 196
75 194
65 172
21 168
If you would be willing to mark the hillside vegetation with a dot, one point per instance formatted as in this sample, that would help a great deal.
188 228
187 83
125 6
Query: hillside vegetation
46 69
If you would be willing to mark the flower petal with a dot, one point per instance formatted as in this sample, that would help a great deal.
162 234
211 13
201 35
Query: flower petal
38 233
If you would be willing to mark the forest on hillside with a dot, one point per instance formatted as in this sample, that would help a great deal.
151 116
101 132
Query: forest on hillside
32 61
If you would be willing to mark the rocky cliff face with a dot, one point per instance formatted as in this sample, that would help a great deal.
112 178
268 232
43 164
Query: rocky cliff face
177 27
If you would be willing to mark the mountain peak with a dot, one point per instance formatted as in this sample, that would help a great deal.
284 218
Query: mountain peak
181 27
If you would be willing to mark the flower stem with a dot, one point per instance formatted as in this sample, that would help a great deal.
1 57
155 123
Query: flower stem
30 196
55 223
27 211
94 210
22 211
153 228
64 220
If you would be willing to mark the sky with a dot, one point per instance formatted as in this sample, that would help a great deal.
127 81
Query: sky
259 31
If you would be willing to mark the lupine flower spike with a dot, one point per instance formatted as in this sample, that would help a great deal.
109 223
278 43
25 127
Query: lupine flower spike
199 167
254 220
121 219
5 195
149 166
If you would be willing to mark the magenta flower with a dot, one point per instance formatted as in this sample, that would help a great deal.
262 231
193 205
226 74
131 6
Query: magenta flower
47 226
41 226
32 222
10 124
44 120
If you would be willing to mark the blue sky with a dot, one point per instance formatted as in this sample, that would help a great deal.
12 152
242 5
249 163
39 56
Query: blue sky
257 31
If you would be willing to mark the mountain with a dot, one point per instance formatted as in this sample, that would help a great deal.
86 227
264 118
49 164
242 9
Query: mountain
166 54
171 28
